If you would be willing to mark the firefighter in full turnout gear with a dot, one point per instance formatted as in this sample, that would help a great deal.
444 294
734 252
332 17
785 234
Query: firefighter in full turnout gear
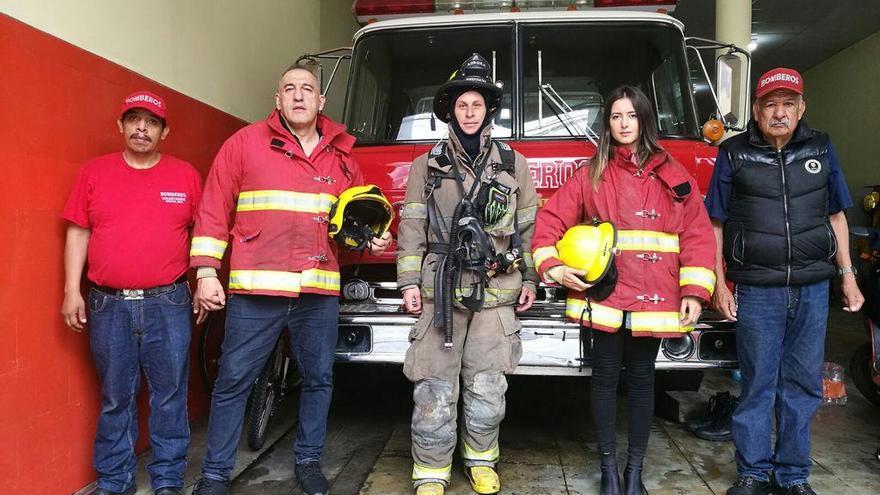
463 265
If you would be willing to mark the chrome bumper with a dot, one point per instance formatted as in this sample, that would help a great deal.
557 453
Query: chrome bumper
378 332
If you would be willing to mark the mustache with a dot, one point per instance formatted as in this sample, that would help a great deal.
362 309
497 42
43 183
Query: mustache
778 122
141 136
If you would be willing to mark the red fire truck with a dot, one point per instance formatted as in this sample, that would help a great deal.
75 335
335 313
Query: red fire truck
556 58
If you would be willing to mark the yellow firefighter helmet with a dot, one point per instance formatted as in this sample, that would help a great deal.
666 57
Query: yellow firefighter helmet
360 214
589 248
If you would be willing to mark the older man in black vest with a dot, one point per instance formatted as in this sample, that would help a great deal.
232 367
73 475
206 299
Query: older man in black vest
777 201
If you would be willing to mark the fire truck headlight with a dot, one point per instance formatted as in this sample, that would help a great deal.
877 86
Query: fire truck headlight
356 290
678 349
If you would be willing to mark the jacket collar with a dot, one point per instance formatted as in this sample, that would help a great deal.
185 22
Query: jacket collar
458 149
332 134
627 159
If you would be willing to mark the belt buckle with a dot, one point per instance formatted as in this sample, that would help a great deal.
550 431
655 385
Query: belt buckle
132 294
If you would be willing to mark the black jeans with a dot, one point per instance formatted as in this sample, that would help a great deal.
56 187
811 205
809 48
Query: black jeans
610 351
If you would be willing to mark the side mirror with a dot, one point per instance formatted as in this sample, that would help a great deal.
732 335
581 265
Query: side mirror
713 130
732 89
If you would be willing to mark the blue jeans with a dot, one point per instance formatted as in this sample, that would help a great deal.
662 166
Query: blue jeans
780 341
126 335
253 325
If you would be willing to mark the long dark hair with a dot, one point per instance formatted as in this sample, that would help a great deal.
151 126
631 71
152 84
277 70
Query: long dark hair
648 137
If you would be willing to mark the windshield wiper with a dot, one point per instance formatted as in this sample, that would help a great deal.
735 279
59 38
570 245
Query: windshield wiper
558 104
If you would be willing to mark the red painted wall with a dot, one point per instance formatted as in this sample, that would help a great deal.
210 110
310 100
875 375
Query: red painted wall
58 107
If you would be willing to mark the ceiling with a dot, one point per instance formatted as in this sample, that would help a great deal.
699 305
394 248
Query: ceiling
793 33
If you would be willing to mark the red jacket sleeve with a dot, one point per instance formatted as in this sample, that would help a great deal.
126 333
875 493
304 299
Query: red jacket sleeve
564 210
214 214
697 256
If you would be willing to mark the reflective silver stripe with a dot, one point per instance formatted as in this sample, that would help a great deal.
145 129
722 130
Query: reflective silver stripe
409 264
207 246
283 281
646 240
420 472
285 200
470 454
530 262
697 275
545 253
417 211
526 215
657 322
601 315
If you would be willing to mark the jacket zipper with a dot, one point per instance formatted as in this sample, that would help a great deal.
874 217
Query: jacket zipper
787 225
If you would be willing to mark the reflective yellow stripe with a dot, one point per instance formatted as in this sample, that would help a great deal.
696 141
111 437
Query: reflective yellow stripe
420 472
530 262
646 240
526 215
545 253
470 454
602 315
417 211
285 200
409 264
208 246
657 321
697 275
283 281
493 295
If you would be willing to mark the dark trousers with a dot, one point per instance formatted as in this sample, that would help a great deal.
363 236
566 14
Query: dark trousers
638 354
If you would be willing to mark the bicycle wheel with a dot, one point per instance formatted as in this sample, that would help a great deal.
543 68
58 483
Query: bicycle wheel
261 402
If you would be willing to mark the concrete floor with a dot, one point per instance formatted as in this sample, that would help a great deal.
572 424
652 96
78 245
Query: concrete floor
547 444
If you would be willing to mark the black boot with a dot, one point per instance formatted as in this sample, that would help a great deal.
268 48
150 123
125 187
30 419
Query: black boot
632 476
610 484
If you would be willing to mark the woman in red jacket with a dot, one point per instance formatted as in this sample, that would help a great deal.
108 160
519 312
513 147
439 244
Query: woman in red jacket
664 257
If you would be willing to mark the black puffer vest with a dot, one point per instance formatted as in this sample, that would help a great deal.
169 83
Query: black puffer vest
777 232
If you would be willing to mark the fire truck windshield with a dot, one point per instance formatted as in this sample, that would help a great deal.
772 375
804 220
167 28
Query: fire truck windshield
396 72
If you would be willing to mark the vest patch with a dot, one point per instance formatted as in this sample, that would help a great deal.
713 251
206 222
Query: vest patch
813 166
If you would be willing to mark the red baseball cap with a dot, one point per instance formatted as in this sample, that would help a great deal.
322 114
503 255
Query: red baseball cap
780 78
146 100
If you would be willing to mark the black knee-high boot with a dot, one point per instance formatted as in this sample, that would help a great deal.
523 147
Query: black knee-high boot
610 484
632 476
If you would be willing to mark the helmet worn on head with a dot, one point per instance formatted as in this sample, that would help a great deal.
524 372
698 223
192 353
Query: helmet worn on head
589 248
474 74
359 214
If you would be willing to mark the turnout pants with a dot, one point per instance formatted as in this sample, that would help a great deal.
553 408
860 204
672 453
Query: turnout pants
486 346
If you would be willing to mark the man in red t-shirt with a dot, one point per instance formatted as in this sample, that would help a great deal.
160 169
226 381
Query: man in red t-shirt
130 215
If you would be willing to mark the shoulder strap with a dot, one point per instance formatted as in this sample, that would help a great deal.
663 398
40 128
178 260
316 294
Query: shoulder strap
508 157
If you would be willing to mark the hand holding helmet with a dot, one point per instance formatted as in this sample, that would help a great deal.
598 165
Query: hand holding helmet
360 219
587 251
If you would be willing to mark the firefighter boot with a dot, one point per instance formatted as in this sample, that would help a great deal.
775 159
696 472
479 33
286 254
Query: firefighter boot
632 476
610 484
484 480
430 489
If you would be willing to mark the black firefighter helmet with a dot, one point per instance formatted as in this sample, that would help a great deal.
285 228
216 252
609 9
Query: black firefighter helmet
474 74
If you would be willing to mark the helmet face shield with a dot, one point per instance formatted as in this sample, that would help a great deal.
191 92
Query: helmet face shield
589 248
359 214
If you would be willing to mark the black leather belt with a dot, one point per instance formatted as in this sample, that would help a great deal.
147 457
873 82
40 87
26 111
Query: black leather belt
140 293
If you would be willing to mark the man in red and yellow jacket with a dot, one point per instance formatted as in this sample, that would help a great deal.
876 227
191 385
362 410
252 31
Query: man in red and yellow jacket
280 178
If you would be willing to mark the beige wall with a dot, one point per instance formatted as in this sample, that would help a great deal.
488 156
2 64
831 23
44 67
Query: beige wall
843 99
226 53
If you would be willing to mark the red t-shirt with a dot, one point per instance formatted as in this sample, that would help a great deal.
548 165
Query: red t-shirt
139 219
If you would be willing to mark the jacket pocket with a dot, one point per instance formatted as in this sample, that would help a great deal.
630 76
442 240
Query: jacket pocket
734 244
505 225
832 242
